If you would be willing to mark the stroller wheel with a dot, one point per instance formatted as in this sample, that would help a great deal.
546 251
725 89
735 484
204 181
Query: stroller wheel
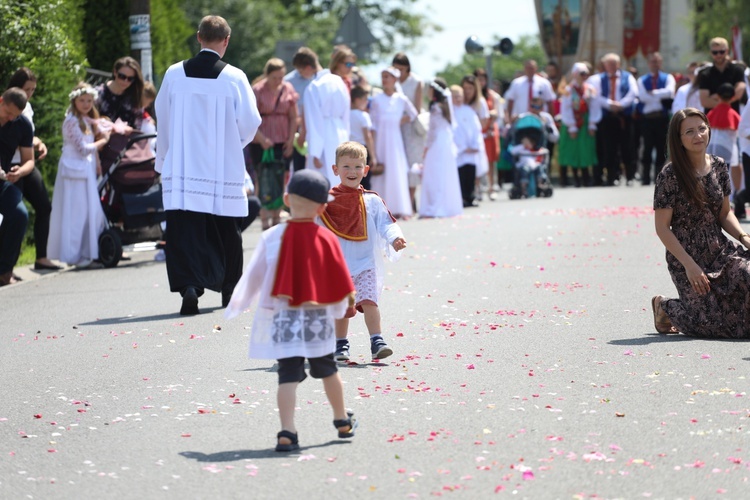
110 248
514 193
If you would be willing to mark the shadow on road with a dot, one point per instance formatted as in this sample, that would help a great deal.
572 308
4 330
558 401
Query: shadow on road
233 456
139 319
655 338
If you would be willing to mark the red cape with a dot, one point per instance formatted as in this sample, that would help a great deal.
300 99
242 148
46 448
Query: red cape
723 117
346 215
311 267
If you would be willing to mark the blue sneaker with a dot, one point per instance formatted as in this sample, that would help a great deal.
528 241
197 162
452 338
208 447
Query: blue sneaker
379 349
342 350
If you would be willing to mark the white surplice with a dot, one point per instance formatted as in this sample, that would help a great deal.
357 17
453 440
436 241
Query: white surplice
386 113
440 194
203 125
369 254
77 217
279 330
327 107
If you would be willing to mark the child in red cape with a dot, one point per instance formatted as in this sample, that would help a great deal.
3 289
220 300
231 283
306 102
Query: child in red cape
366 231
300 275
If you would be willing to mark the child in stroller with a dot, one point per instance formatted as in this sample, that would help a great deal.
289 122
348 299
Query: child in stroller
530 156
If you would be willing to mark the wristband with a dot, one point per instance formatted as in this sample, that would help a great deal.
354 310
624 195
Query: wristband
741 235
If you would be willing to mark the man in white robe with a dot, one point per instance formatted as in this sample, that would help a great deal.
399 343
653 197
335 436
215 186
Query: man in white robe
327 106
206 113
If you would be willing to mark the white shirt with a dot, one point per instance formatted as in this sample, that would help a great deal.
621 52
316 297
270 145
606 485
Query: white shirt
684 98
518 92
359 122
467 135
624 100
652 100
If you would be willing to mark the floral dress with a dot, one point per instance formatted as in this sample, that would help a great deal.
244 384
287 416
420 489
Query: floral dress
725 310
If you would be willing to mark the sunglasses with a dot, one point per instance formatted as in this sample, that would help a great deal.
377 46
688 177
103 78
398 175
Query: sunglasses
717 52
349 64
123 76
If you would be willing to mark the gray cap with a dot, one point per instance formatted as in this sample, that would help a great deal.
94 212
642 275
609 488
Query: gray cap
311 185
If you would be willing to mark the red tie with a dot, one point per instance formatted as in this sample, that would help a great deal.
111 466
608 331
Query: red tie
613 86
654 81
531 91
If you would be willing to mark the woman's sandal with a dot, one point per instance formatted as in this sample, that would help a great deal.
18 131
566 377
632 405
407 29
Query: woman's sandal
350 422
291 436
661 320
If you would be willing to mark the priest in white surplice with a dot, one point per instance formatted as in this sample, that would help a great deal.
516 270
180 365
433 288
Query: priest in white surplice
206 114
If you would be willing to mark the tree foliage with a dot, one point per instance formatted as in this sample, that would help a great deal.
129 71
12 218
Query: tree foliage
43 36
170 35
712 18
258 25
503 67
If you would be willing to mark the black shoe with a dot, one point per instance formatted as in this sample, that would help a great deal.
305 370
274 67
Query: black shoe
46 267
189 302
225 298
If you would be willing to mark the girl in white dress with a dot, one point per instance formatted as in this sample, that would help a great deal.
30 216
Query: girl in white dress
388 111
441 188
77 216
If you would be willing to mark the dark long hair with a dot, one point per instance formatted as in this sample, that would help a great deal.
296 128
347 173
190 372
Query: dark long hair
20 77
135 91
683 168
439 98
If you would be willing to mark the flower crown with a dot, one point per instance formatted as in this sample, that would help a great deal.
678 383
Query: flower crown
83 90
441 90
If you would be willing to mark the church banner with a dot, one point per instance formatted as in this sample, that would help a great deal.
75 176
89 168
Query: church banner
560 27
641 27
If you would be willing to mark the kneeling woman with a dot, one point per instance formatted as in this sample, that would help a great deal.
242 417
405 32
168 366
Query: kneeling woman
691 204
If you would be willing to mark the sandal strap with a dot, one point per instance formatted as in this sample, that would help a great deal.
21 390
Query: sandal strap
289 435
342 423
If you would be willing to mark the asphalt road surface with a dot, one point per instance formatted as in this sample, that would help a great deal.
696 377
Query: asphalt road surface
526 365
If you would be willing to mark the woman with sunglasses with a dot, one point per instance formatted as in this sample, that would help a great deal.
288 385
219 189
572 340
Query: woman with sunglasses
692 214
580 112
121 97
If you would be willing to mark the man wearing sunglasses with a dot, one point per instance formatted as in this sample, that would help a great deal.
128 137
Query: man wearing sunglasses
207 113
723 70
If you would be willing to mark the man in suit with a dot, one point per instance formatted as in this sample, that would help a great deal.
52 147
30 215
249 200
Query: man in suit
207 113
617 91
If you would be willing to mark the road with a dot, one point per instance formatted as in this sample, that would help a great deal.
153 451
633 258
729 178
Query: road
526 364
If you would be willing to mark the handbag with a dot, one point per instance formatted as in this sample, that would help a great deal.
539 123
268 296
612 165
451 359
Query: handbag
271 181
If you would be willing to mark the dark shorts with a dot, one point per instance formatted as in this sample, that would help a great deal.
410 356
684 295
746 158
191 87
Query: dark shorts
293 369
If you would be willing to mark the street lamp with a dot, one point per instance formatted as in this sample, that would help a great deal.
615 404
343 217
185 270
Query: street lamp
473 46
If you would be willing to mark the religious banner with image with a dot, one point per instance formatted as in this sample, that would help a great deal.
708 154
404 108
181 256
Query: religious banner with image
560 25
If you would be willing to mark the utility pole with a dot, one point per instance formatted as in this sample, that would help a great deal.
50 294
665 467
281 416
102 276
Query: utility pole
140 36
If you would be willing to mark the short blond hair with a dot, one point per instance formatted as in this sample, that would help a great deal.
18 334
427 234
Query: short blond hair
457 89
719 41
351 149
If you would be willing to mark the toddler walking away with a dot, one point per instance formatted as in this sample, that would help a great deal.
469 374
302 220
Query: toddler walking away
724 122
77 217
366 230
361 127
300 277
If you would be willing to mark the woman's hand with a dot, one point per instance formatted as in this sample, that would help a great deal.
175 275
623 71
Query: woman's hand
572 135
317 163
698 279
405 119
288 148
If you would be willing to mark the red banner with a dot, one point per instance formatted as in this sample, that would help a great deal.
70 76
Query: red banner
642 23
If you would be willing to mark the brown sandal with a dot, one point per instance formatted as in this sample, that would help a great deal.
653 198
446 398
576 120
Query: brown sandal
661 320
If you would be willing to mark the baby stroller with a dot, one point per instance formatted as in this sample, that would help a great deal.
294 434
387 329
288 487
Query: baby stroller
531 167
130 191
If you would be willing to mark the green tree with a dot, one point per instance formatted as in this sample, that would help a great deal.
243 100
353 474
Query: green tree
43 36
257 25
503 67
170 35
712 18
